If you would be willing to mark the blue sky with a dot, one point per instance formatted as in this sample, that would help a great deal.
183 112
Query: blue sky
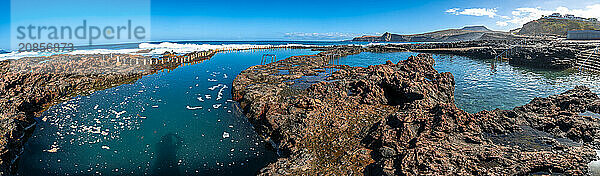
322 19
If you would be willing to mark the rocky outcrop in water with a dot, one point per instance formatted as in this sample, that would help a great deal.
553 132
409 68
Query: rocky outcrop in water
544 57
564 116
543 136
538 54
400 119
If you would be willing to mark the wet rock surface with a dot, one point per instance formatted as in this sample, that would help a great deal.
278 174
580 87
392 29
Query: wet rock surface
545 57
538 54
400 119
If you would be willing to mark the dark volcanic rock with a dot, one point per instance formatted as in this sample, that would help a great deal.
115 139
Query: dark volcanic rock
538 54
400 119
544 57
13 134
560 115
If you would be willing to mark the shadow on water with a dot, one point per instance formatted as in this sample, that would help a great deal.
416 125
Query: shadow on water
166 155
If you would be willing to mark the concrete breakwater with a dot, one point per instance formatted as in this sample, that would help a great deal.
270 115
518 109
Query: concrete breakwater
400 119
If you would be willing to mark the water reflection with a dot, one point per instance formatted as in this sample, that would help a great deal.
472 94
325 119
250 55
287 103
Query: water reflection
167 162
486 84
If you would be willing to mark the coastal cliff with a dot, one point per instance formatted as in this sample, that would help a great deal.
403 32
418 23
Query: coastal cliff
557 27
468 33
400 119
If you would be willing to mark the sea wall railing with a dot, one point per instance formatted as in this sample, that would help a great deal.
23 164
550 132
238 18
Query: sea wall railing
268 58
513 48
595 51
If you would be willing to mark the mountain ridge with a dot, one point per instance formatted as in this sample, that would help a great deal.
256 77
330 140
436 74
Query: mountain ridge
466 33
476 28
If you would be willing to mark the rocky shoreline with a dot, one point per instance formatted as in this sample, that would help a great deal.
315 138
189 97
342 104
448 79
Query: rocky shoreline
400 119
531 53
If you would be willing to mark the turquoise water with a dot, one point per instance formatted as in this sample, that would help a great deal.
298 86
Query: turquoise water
481 87
181 122
177 122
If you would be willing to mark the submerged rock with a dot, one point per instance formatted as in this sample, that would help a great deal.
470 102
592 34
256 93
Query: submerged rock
400 119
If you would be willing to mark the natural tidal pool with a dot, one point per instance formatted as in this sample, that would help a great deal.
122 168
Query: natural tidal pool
181 122
486 85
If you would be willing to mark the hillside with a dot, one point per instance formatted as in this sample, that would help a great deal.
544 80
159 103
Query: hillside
556 27
450 35
476 28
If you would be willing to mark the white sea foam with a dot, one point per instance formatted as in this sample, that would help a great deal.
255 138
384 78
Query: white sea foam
18 55
193 108
215 87
188 48
220 94
156 49
105 51
118 113
225 135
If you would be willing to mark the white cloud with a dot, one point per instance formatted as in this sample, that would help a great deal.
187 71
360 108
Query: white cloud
474 12
501 23
319 36
521 16
452 10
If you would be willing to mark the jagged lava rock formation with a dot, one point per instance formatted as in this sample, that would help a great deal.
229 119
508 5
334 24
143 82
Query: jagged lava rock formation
539 54
400 119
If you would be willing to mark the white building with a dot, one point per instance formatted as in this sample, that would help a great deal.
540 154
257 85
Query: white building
568 17
583 35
